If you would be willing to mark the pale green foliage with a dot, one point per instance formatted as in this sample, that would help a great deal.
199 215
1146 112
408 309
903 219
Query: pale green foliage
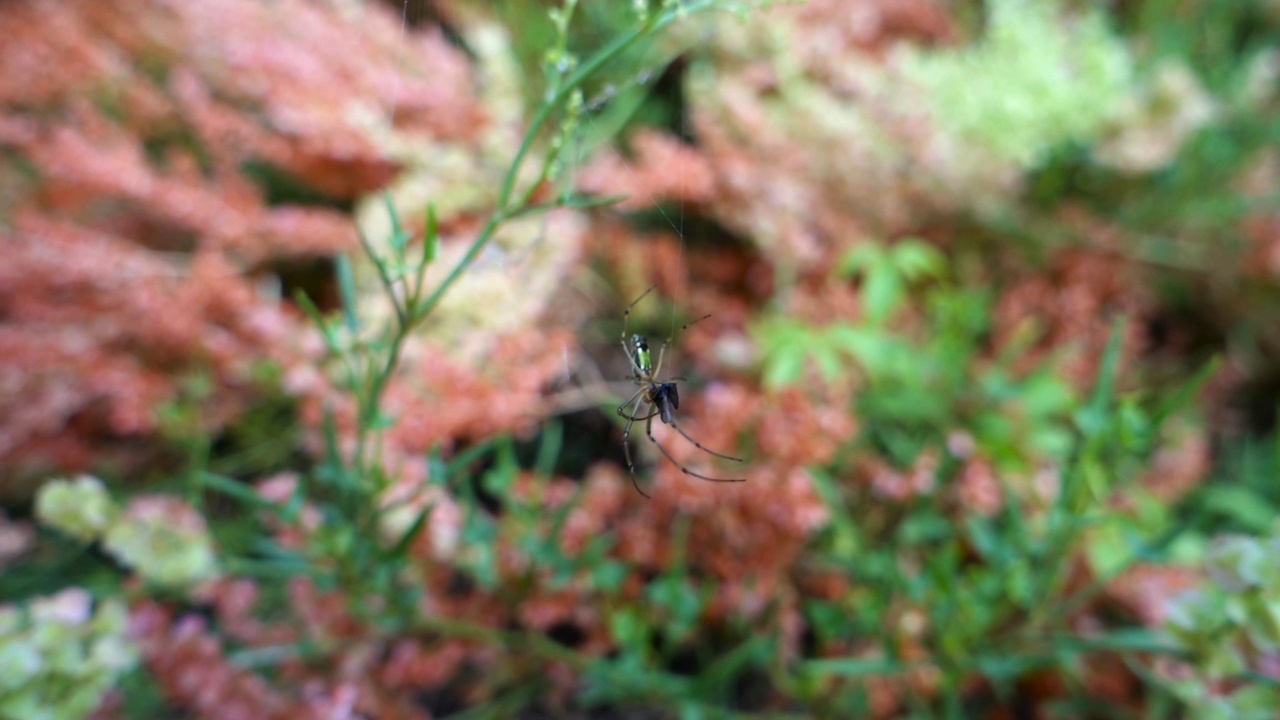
58 656
886 271
163 546
920 384
1036 79
1156 120
886 274
80 507
1229 621
163 539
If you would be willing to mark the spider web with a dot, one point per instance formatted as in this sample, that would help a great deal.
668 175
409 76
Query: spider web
633 92
641 94
638 91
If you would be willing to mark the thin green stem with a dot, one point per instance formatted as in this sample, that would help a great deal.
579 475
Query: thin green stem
504 211
375 363
387 284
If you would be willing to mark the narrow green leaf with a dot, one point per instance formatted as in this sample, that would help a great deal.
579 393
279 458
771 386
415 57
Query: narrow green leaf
381 421
273 569
1265 683
1130 640
437 471
431 236
882 289
313 313
1006 668
1241 505
1105 387
468 456
588 201
986 541
293 508
729 666
309 308
916 259
861 259
577 202
859 343
399 238
549 449
783 367
1183 395
332 470
853 667
347 291
402 545
235 489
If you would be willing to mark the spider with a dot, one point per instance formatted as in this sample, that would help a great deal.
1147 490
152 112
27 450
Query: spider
660 399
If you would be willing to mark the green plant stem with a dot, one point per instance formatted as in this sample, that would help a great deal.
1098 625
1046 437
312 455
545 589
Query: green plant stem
382 358
505 211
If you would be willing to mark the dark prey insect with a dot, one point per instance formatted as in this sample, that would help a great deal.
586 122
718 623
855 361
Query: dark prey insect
657 398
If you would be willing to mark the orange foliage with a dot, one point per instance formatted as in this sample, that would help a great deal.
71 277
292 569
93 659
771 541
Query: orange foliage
136 227
188 664
138 231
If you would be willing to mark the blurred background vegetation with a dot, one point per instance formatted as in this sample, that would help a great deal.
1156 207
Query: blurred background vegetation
309 357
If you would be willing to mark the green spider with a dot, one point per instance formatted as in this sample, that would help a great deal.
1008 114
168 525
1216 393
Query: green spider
659 399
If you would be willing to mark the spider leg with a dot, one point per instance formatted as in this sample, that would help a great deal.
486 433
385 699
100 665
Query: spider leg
648 429
699 445
640 418
636 371
626 440
657 369
660 396
628 401
626 314
634 303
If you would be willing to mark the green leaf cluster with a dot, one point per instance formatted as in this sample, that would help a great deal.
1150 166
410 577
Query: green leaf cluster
1226 625
918 387
1036 79
59 655
986 595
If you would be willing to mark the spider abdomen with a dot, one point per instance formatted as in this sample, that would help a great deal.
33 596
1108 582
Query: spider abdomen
640 354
